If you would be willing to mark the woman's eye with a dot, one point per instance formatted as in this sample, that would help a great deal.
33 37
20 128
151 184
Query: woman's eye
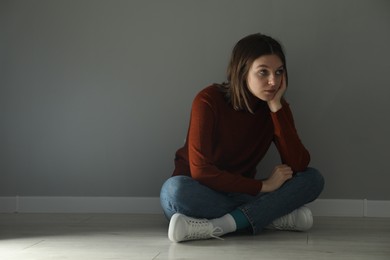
263 72
279 72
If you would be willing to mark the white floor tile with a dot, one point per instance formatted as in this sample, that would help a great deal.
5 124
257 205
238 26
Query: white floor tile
123 236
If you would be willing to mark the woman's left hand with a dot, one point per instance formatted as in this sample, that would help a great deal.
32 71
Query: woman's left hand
276 103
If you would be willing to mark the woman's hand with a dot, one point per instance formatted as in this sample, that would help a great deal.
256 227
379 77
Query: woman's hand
280 175
276 103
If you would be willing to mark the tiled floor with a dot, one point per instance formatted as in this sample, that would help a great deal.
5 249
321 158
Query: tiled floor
119 236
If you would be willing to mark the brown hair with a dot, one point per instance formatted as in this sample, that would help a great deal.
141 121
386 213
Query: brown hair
244 53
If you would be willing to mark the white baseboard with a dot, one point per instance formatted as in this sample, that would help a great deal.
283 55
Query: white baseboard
350 208
141 205
151 205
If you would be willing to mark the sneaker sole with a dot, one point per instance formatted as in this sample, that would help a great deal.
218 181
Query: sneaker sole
171 229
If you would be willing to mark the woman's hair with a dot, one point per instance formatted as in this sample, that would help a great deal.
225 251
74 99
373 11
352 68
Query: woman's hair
244 53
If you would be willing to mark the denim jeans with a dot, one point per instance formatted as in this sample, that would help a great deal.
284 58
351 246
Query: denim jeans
182 194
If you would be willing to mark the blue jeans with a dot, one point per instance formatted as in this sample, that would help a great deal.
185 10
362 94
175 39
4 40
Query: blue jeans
182 194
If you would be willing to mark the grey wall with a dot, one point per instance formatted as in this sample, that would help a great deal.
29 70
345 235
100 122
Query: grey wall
95 95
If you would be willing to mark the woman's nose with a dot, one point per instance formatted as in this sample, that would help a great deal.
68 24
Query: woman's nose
271 80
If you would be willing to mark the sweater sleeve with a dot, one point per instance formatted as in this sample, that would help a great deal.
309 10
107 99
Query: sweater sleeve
287 141
201 148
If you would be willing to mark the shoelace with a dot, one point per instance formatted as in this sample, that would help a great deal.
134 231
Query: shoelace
286 222
202 230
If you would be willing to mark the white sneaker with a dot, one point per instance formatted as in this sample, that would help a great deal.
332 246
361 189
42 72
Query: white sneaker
299 220
182 228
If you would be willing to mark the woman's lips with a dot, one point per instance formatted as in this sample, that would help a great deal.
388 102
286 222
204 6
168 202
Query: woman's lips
270 91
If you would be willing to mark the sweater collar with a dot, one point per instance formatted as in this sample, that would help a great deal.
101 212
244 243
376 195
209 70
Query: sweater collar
255 103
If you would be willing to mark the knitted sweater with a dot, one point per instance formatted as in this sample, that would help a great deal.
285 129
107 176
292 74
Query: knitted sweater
224 146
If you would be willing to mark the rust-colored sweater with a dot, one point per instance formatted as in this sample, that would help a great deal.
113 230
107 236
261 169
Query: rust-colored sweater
224 146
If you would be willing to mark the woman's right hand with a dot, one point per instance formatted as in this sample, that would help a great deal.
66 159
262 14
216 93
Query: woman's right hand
280 175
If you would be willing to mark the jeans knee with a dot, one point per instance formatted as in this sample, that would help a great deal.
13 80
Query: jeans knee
170 194
316 179
173 186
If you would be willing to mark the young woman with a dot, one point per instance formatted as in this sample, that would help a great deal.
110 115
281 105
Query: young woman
213 190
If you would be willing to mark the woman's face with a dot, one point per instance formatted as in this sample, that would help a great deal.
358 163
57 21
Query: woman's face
265 76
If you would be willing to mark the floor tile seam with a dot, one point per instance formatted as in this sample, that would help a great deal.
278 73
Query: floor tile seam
33 245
